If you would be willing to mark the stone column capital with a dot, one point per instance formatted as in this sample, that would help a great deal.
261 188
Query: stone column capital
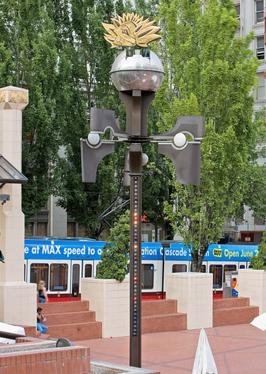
13 98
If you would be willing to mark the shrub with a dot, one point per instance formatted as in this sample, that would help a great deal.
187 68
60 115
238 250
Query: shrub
115 255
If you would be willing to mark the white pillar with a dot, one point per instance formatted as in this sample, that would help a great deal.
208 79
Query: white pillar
17 298
252 283
193 292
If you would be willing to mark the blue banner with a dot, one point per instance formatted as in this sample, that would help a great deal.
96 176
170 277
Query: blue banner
177 252
225 252
45 249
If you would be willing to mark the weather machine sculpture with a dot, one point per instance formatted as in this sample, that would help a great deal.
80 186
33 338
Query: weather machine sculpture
137 73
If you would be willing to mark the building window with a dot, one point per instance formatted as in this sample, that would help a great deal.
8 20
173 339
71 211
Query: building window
42 228
71 229
29 230
260 47
259 11
82 230
260 90
237 7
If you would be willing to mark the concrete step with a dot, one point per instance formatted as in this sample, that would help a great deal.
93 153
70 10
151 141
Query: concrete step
234 315
64 307
158 307
165 322
70 317
76 331
230 302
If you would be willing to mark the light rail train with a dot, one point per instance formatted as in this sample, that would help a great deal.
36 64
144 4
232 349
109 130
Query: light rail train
62 263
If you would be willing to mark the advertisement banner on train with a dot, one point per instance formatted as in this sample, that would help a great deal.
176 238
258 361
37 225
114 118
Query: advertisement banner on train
43 249
223 252
177 252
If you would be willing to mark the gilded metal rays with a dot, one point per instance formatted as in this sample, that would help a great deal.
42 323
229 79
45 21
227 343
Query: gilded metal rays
131 30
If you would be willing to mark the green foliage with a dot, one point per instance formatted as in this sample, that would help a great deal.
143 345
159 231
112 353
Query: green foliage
28 59
210 71
115 256
259 261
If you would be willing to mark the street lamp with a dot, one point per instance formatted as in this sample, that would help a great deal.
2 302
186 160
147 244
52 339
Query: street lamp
137 73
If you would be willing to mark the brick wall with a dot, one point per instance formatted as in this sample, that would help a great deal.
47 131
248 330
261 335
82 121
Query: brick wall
68 360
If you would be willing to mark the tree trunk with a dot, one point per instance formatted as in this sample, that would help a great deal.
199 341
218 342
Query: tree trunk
196 262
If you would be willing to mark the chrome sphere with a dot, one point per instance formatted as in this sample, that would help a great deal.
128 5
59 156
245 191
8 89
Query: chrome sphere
137 72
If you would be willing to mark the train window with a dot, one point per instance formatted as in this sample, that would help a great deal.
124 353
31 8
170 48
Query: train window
147 276
88 271
75 279
217 271
229 268
39 272
58 277
242 267
179 268
202 269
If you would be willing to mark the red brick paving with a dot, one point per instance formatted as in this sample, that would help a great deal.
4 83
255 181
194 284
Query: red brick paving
239 349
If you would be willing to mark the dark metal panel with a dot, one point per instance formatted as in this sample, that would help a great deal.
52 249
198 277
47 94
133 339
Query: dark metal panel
91 157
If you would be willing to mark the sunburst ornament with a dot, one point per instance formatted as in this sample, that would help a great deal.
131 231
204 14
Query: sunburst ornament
130 30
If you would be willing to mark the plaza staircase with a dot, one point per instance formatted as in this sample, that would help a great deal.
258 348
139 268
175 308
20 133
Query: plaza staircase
72 320
233 311
161 316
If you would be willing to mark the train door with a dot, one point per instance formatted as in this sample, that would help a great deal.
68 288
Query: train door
75 277
60 276
151 275
217 271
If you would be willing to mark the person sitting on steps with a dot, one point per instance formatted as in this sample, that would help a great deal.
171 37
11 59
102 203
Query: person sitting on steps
42 294
40 319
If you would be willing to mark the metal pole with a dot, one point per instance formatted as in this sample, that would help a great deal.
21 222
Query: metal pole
135 270
135 165
136 103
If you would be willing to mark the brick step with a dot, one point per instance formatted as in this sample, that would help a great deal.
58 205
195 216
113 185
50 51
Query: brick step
70 317
64 307
234 316
76 331
158 307
162 323
230 302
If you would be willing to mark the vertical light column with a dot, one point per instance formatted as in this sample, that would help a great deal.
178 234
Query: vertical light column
135 157
17 299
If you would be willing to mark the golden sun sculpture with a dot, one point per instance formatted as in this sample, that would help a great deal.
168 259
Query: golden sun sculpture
130 30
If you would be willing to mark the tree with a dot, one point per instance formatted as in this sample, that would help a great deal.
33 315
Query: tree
84 78
211 72
28 60
259 261
86 57
115 256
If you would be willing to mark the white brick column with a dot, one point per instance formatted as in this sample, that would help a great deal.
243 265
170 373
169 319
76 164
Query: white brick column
17 298
110 300
193 292
252 283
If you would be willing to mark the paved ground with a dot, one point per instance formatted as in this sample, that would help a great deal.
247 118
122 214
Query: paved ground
236 349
